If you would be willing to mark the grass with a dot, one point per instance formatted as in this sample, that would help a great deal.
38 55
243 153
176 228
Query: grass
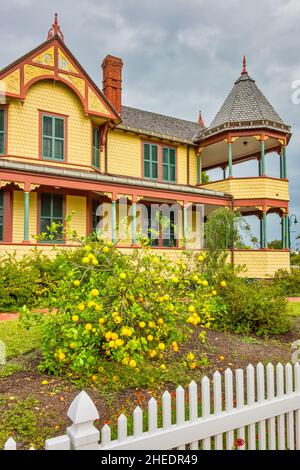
294 309
17 339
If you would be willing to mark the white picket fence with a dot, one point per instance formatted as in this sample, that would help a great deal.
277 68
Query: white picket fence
258 410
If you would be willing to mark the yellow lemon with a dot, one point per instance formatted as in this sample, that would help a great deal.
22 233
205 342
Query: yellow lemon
190 356
161 346
152 353
91 256
76 283
193 365
98 307
94 378
101 321
151 324
200 258
85 260
91 303
160 321
111 344
122 276
44 382
223 283
61 356
105 249
155 260
95 262
117 320
72 345
163 367
81 307
114 336
75 318
150 338
108 335
88 326
142 324
175 280
94 292
214 292
125 361
132 363
191 308
205 283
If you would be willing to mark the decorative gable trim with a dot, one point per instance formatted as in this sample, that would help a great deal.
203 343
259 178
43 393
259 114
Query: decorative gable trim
52 60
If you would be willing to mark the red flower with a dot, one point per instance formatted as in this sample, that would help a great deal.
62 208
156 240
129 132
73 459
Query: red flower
239 442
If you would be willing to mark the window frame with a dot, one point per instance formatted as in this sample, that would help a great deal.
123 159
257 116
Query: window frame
97 128
54 116
168 164
159 241
160 146
151 144
4 108
40 217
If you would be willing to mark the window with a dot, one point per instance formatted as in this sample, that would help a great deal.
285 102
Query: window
53 130
150 154
168 164
51 212
160 228
1 215
2 131
95 218
96 147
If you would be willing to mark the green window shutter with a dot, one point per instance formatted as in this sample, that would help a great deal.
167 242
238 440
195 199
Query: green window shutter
169 164
53 130
1 214
150 157
96 147
2 131
51 212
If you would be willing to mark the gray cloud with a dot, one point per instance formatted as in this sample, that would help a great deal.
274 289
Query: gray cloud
179 55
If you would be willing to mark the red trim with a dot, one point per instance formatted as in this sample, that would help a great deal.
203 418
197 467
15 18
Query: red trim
56 42
65 118
262 131
5 107
49 162
63 182
261 202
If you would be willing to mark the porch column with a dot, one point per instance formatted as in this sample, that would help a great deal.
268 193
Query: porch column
287 232
283 240
261 233
265 230
259 166
133 224
281 164
199 168
262 161
26 216
284 166
185 228
224 172
114 221
229 159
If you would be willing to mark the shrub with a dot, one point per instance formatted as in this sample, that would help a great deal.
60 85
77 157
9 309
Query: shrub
288 283
252 307
131 309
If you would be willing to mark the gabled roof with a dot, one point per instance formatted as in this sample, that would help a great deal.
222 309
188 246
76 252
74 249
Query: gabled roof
53 60
158 124
245 107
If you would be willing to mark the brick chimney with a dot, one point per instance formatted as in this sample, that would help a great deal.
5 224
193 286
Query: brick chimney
112 81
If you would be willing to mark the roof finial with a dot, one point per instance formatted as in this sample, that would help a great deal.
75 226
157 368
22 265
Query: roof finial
244 71
55 30
200 120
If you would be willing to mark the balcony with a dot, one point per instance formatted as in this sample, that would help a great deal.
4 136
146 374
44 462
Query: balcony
261 187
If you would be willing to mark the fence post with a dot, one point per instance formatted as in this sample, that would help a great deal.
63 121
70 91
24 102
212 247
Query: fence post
58 443
82 433
10 444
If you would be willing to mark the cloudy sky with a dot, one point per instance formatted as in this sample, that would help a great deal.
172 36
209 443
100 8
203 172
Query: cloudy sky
179 55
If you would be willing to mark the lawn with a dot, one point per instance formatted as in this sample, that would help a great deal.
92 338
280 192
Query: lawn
294 309
33 406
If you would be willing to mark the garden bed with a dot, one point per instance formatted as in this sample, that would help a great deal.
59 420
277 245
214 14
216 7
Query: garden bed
34 406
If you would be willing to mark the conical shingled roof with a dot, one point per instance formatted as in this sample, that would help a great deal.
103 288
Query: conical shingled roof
245 107
245 102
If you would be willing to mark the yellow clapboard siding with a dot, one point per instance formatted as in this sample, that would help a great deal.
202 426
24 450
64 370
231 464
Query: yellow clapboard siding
76 209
